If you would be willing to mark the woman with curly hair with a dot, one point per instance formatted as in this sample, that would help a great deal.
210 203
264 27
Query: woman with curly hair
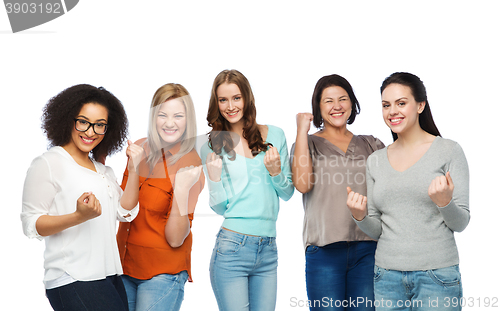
72 200
155 248
248 171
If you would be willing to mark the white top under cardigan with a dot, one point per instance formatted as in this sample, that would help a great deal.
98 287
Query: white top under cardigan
85 252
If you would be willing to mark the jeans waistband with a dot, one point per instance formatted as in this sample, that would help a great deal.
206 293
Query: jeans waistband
245 238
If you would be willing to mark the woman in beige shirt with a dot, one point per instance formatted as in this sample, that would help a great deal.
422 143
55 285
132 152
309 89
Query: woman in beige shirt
339 256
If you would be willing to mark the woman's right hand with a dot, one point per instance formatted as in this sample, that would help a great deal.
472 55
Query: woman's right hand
304 122
357 204
135 154
87 207
214 166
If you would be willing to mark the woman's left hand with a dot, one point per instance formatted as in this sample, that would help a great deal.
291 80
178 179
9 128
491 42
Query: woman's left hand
441 190
186 177
272 161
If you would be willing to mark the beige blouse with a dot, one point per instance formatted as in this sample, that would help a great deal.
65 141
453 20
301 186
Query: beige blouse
327 218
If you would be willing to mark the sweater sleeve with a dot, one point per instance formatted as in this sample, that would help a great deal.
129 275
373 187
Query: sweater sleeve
456 214
217 194
371 224
282 182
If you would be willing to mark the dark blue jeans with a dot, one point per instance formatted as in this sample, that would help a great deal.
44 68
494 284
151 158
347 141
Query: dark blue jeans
339 276
101 295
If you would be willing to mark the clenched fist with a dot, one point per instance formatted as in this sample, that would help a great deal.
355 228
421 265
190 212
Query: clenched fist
88 206
272 161
441 190
357 204
304 122
214 166
135 154
186 177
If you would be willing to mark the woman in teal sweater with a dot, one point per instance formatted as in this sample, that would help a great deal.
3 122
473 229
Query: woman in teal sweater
248 171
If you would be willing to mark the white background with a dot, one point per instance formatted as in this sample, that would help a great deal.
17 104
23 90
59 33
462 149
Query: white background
283 47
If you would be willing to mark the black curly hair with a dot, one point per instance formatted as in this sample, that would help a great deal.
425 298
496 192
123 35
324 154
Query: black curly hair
60 111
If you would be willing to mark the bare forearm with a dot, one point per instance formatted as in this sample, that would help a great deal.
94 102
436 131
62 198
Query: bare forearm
177 229
302 165
178 225
47 225
130 196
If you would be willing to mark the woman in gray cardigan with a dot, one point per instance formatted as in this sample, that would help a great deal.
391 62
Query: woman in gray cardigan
417 197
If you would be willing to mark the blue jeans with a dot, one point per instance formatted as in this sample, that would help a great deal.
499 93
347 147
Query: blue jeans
436 290
339 275
102 295
243 272
163 292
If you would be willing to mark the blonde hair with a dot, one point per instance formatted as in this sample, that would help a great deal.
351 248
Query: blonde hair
167 92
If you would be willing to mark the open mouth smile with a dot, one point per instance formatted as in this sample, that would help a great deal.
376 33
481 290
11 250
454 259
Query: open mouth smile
396 121
232 114
169 132
86 140
337 114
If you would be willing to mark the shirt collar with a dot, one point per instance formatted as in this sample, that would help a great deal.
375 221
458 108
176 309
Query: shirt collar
173 150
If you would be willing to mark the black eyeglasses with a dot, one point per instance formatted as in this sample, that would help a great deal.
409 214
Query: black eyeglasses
83 126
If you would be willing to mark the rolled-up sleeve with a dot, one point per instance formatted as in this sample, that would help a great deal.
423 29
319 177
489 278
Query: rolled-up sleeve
122 214
38 194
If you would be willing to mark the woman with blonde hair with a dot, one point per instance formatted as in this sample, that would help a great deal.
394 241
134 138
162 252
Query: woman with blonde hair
248 171
155 248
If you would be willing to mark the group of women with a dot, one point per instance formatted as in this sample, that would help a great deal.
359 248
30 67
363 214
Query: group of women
379 221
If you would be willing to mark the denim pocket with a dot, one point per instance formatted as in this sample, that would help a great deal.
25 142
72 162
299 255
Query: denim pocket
312 249
274 246
449 276
377 273
227 246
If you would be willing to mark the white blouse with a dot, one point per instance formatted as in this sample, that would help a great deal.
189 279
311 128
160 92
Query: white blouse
85 252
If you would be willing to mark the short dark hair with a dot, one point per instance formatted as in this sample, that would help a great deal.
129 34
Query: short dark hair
60 111
419 93
325 82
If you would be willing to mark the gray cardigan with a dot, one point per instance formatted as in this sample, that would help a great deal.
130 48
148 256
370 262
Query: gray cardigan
412 232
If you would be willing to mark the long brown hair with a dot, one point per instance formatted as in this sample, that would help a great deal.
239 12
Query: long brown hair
219 137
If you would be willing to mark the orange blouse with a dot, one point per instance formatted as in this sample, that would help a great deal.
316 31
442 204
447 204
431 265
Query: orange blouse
144 251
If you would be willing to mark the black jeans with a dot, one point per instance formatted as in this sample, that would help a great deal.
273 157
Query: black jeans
102 295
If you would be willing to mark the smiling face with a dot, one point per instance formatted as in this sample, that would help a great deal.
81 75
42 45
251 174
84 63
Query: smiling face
230 102
335 107
84 142
400 109
171 121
